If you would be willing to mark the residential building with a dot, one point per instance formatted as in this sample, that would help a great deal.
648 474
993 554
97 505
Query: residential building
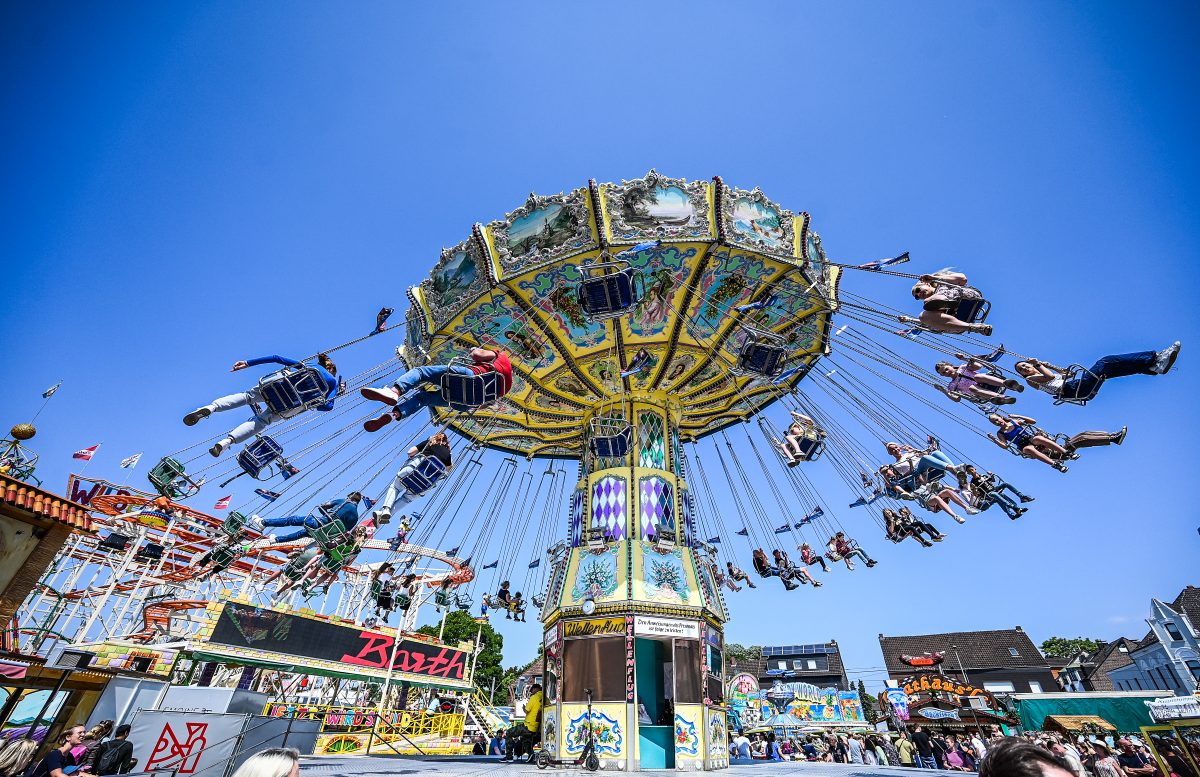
1168 658
819 664
998 661
1089 671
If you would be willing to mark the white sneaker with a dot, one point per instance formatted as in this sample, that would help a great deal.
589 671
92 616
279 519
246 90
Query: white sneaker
1165 359
972 511
960 519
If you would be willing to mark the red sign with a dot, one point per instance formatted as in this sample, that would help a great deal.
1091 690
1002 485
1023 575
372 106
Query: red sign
410 656
179 755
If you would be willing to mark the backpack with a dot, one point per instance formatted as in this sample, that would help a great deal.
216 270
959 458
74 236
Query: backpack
108 757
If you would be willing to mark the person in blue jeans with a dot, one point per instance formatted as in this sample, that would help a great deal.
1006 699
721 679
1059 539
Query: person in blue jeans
1055 381
345 511
988 489
262 417
406 400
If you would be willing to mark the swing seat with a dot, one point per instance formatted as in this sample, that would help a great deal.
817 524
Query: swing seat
259 456
330 535
292 390
426 472
170 479
114 542
233 525
443 598
762 354
469 392
609 289
223 556
1074 372
151 551
538 601
334 561
811 448
462 601
611 437
973 311
403 601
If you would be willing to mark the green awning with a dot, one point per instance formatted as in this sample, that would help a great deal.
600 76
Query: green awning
1127 713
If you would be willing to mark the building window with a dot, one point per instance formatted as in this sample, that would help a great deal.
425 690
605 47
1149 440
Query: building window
1123 648
1173 630
1035 686
1013 652
1000 687
1194 668
810 664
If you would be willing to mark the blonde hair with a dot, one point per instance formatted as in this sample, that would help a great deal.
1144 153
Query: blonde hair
275 762
440 439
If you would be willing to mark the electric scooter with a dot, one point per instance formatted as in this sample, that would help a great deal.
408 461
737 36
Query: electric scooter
588 758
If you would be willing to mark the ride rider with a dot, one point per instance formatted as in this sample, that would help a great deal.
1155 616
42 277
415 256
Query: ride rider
524 735
405 400
397 494
344 511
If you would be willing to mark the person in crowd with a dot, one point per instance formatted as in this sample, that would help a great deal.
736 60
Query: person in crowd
1175 760
844 548
889 750
1070 757
941 292
1014 757
91 740
59 762
840 750
525 734
1059 383
741 745
973 382
854 750
405 400
1105 765
263 417
496 745
114 756
1134 763
479 744
397 494
905 750
810 750
809 557
273 762
868 751
924 744
772 748
345 511
737 573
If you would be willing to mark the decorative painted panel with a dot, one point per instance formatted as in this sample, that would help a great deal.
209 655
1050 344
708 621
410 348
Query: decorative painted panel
608 725
542 230
687 732
666 576
657 207
651 439
753 221
457 279
600 576
610 505
578 499
656 508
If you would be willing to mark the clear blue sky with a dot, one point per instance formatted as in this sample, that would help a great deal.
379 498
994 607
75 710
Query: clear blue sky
191 184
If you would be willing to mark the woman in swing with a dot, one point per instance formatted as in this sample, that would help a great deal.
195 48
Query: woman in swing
913 462
1062 385
763 567
1020 433
790 570
972 381
941 292
801 439
927 494
841 549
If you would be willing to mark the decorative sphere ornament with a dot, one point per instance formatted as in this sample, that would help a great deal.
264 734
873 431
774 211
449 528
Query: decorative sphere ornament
23 432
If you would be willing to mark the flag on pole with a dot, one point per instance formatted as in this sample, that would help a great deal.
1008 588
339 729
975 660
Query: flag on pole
453 551
714 540
129 462
787 527
492 565
50 391
223 503
86 454
744 532
270 496
537 562
879 264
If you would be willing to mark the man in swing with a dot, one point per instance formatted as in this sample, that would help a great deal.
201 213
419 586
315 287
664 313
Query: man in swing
344 511
263 417
397 494
406 400
844 549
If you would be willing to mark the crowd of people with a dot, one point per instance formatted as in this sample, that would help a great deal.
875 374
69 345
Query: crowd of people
80 752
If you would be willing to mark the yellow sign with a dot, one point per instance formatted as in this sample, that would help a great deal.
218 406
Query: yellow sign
593 628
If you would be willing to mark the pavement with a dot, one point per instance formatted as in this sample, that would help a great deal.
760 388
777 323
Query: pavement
477 766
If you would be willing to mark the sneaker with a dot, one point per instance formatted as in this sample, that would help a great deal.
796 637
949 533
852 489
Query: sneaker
255 523
972 511
388 396
1013 385
1119 437
939 538
193 417
1060 467
850 565
382 517
220 447
959 518
375 424
1027 499
1165 359
1005 400
871 562
817 584
793 462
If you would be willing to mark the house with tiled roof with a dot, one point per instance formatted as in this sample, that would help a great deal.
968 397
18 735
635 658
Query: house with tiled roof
998 661
1088 671
1168 658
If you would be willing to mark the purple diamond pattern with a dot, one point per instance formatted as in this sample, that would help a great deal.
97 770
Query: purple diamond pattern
657 503
608 506
577 518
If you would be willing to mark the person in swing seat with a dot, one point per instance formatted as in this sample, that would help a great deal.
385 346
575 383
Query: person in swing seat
739 574
503 598
1061 384
764 568
809 557
941 292
405 400
344 511
801 437
971 380
1020 433
793 572
263 417
845 548
517 605
397 495
910 461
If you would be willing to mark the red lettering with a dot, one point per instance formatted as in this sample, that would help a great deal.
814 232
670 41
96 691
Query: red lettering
374 653
84 496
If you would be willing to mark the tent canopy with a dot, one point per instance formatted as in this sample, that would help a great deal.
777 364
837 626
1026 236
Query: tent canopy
1125 713
1073 724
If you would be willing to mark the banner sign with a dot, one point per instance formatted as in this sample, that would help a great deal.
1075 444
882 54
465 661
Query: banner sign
81 490
899 701
665 627
1174 708
925 685
246 626
933 713
199 744
594 628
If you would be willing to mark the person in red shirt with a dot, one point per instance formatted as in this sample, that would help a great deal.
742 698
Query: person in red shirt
405 400
845 548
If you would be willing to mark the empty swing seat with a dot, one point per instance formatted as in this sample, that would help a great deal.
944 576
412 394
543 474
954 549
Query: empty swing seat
170 479
233 524
604 295
291 391
259 456
611 438
468 392
114 541
151 551
765 359
223 556
462 601
426 472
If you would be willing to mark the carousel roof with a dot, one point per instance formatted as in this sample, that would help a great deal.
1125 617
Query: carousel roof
703 250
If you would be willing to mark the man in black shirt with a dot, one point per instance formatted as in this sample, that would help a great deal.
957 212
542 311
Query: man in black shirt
398 494
116 755
1134 763
924 745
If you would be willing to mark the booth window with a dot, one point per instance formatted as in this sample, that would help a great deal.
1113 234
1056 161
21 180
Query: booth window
687 671
597 663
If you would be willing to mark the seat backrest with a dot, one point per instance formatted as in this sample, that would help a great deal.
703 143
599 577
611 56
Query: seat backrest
292 389
329 535
972 310
607 294
467 392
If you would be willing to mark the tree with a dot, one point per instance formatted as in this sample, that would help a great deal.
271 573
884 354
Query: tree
870 706
740 655
1061 647
461 627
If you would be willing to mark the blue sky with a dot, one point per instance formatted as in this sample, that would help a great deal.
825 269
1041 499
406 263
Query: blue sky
192 184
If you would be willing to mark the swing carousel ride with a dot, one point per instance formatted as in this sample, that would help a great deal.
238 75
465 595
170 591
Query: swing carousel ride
664 337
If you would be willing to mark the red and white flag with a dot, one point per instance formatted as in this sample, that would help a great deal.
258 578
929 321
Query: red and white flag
86 454
223 503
